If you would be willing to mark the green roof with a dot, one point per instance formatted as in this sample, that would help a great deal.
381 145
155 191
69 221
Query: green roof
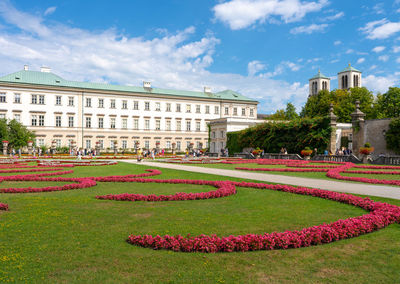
350 68
320 76
53 80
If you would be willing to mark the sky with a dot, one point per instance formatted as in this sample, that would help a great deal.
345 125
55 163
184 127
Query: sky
264 49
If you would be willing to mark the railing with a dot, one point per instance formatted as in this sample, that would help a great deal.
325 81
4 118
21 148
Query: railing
282 156
387 160
337 158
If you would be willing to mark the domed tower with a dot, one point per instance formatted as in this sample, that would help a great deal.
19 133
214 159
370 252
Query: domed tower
349 77
319 82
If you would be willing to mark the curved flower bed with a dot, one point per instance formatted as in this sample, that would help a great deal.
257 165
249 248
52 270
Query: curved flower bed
77 184
380 216
150 172
224 188
3 206
46 169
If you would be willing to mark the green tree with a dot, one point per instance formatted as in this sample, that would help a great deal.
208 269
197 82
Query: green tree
388 104
290 112
278 115
3 130
392 135
18 134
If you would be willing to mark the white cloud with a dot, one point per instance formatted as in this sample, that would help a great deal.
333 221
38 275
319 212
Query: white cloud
383 58
333 17
254 67
50 10
360 60
378 8
349 51
373 67
309 29
172 60
379 83
337 42
396 49
398 59
378 49
240 14
380 29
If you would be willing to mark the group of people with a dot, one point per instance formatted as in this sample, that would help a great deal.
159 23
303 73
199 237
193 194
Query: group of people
224 152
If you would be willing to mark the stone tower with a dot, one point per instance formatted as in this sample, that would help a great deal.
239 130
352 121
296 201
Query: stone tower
319 82
348 78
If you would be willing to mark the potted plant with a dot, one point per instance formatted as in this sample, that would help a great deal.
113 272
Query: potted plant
366 151
306 153
257 152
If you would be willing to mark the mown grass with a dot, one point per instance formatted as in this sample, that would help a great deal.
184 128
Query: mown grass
72 237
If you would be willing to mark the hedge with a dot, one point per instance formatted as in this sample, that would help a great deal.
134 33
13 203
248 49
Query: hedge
293 135
393 135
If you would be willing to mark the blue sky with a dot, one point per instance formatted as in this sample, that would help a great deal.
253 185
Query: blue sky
266 50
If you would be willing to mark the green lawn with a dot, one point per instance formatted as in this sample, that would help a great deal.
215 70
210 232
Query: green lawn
72 237
317 175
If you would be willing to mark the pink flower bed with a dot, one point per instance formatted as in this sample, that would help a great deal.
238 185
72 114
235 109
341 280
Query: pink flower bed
224 188
3 206
149 173
380 216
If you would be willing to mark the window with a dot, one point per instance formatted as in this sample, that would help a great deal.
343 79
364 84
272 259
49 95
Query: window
147 144
70 121
158 106
197 108
41 120
243 111
251 112
235 111
101 103
2 97
178 107
158 124
146 105
188 124
101 122
69 142
124 105
58 121
112 103
112 122
168 125
198 144
17 98
88 144
135 105
197 125
33 99
188 108
124 123
58 143
147 124
58 100
17 117
136 123
226 110
88 102
216 110
168 107
40 142
34 120
207 109
41 99
178 125
88 122
2 115
188 144
124 144
71 101
222 134
101 144
178 145
168 144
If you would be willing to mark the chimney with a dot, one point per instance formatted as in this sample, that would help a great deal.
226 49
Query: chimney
207 90
146 84
26 67
45 69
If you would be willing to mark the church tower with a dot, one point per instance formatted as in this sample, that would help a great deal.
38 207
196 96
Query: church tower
349 78
319 82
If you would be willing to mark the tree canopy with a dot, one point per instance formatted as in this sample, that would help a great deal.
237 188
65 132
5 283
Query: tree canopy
388 104
15 133
288 114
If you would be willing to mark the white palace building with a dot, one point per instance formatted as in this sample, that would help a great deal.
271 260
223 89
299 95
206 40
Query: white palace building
88 113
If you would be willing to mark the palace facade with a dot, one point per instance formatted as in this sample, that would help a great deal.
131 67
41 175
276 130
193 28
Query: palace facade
84 113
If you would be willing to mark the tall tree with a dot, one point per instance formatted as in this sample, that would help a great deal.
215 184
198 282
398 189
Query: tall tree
18 134
3 130
290 112
388 104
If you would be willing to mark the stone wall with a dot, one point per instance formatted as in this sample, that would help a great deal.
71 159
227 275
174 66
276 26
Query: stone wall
374 133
